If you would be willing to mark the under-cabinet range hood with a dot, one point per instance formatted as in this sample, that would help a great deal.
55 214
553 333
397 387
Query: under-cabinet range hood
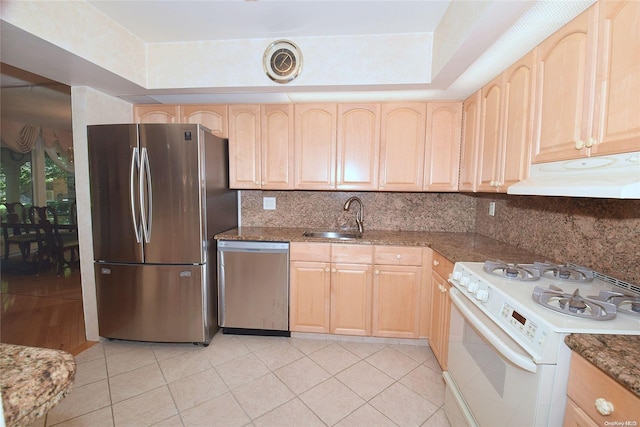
616 177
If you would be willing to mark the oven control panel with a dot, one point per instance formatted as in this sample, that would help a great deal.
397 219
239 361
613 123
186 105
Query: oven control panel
528 329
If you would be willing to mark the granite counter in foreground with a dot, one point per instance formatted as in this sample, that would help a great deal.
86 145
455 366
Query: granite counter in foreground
455 247
32 381
616 355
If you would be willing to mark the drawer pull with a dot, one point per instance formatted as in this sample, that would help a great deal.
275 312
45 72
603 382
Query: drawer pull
604 407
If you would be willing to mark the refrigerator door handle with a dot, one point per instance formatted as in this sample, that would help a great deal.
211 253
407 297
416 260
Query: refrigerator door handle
135 166
146 208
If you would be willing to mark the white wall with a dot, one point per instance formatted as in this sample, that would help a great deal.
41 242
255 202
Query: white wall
89 107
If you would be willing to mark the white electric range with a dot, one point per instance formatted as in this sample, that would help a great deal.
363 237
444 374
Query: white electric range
507 361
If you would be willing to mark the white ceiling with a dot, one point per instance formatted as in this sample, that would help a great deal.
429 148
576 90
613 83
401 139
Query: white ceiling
156 21
174 21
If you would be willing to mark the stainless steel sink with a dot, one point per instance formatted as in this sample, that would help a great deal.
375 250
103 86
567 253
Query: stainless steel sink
332 235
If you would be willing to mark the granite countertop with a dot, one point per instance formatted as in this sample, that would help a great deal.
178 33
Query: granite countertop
453 246
616 355
32 381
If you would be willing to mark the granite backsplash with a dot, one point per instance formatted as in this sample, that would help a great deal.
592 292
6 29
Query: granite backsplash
602 234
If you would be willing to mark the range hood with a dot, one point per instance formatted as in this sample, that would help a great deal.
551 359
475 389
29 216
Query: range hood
616 177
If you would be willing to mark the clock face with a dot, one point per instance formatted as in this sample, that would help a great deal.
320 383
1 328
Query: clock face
282 61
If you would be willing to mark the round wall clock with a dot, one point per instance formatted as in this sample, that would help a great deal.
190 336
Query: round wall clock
282 61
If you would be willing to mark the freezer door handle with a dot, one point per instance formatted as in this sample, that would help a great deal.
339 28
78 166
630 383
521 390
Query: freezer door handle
135 166
146 197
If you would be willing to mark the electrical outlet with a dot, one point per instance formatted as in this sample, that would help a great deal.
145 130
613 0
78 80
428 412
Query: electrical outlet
269 203
492 208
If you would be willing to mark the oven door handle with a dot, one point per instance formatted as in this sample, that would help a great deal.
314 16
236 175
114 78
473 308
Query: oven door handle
517 359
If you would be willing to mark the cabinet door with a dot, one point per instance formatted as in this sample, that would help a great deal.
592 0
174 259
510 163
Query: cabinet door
358 146
310 296
438 337
277 146
617 116
442 150
244 146
402 142
490 135
515 151
576 417
396 301
315 146
156 113
470 142
564 90
351 296
213 117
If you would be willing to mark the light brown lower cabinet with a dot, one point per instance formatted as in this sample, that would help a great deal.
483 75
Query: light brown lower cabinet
397 279
309 287
357 290
440 308
596 399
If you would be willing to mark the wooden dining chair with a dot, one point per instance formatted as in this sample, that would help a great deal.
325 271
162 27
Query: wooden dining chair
15 232
52 244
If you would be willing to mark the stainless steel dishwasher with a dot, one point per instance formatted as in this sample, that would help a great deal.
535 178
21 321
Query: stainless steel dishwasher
253 287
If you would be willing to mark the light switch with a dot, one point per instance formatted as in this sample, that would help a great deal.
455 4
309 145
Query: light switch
269 203
492 208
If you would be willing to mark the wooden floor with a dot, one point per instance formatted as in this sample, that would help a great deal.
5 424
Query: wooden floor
41 310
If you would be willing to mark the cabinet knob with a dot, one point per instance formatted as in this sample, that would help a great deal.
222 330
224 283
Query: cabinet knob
398 256
604 407
436 262
376 272
333 270
590 142
326 269
579 144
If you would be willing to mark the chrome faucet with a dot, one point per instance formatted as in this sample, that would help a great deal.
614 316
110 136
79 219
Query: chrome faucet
359 214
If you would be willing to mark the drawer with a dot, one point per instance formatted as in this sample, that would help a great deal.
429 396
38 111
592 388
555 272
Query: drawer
397 255
310 252
588 383
351 254
441 265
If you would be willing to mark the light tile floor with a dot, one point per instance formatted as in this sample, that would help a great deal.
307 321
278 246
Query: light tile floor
255 381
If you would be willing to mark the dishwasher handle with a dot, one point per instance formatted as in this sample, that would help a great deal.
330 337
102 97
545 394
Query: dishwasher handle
252 246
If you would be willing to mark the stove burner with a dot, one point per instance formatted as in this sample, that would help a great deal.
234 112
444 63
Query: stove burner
625 303
511 270
574 304
564 272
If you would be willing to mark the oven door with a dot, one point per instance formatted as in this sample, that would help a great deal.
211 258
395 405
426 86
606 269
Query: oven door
491 380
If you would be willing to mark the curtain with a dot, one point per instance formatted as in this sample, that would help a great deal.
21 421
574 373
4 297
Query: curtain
19 137
22 138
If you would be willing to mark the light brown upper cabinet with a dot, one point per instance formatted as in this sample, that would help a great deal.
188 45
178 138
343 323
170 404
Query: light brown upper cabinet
588 88
277 146
315 146
442 150
244 146
470 142
564 91
506 125
403 129
616 125
517 129
261 146
490 135
358 146
213 117
156 113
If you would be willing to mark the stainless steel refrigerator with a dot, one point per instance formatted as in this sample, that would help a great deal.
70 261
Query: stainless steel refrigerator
159 193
